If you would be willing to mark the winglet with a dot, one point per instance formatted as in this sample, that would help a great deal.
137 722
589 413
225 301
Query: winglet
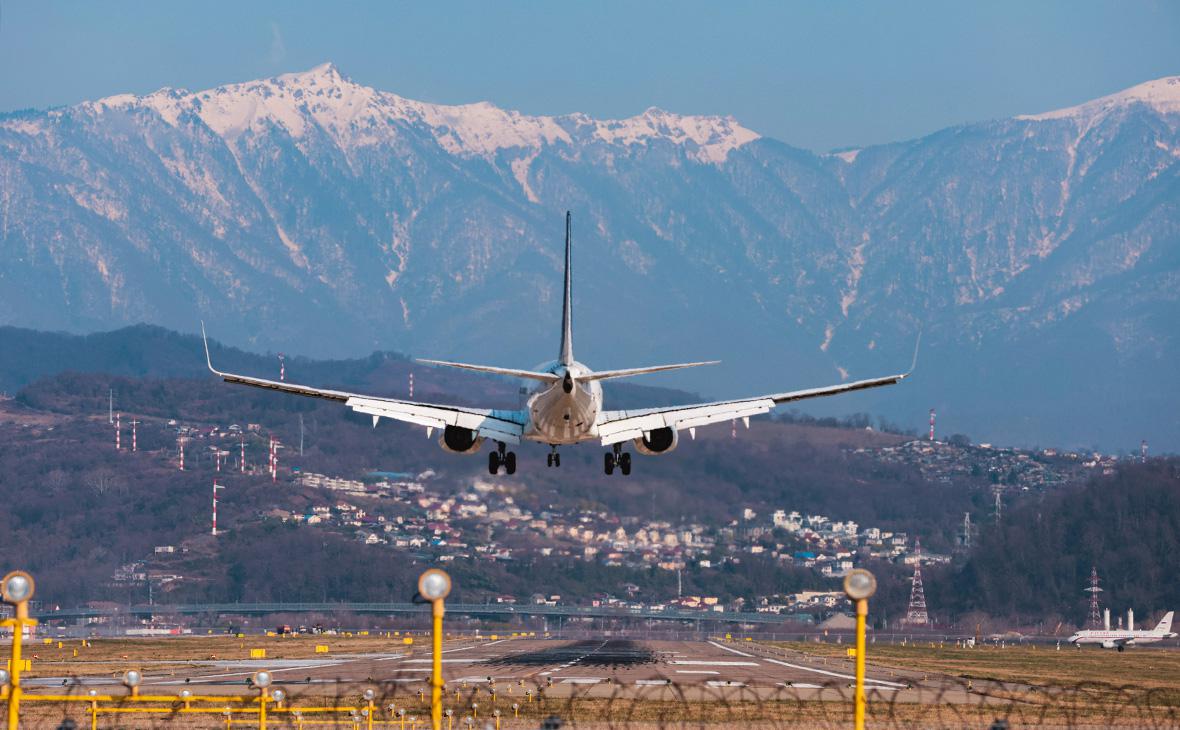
208 360
914 363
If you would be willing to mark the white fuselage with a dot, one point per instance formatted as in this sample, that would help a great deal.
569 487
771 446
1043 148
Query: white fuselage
1111 639
558 417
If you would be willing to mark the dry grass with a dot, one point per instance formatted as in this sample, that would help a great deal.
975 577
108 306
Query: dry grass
163 655
1036 665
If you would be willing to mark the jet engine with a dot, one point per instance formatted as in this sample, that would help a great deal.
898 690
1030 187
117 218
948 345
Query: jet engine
658 441
460 440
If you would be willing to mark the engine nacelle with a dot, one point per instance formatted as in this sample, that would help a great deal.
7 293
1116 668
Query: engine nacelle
460 440
659 441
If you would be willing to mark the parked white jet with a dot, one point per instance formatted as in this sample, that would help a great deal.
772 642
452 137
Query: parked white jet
563 408
1119 638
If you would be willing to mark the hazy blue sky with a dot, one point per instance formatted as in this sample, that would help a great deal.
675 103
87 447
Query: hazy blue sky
816 74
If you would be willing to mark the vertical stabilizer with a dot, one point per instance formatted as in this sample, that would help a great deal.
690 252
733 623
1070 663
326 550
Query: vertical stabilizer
567 306
1165 625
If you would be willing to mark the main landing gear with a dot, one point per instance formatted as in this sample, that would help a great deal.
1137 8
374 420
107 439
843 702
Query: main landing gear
501 457
618 458
553 458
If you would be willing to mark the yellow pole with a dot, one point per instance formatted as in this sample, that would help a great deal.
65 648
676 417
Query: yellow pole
94 715
370 715
862 610
262 709
18 629
436 680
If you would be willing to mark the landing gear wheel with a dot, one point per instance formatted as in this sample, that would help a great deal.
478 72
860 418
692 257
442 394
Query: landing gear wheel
625 464
494 463
557 460
510 462
608 463
549 460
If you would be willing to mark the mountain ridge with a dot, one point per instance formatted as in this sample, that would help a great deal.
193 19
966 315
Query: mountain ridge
1040 256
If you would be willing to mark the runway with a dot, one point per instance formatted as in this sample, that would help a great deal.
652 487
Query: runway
557 668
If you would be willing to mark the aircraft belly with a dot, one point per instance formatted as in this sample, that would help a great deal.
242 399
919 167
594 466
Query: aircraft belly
559 418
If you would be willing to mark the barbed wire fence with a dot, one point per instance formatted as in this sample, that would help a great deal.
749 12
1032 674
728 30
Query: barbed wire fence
403 701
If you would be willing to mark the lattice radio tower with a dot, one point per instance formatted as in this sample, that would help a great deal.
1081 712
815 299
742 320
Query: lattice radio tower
968 528
1095 620
916 613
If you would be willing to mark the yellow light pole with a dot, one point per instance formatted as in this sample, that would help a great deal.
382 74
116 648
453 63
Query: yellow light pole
369 695
131 680
16 589
859 586
435 585
262 680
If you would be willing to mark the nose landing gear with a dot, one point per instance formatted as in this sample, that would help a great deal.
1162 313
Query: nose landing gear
502 457
619 458
554 458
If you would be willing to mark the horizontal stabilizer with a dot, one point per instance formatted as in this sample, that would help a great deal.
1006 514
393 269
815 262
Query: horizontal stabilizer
610 374
510 372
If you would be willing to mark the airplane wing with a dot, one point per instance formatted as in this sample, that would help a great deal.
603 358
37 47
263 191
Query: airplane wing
498 425
618 426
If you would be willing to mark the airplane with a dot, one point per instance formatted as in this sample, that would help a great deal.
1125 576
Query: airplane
1120 638
563 407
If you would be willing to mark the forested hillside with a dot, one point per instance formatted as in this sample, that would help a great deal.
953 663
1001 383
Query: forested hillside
1036 563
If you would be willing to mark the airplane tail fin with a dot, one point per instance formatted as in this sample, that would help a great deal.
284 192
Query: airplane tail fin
1165 624
567 305
628 372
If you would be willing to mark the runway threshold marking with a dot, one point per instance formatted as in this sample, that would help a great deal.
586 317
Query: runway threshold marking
731 651
809 669
197 679
708 663
696 671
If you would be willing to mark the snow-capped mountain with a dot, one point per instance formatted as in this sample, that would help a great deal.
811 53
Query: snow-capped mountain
309 213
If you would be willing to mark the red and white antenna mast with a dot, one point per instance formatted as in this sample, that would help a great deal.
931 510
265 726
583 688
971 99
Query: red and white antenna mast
1095 619
216 486
916 613
180 447
118 431
243 463
411 385
1143 450
134 439
282 366
931 424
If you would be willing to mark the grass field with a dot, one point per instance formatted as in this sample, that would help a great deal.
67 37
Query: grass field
1145 668
114 656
